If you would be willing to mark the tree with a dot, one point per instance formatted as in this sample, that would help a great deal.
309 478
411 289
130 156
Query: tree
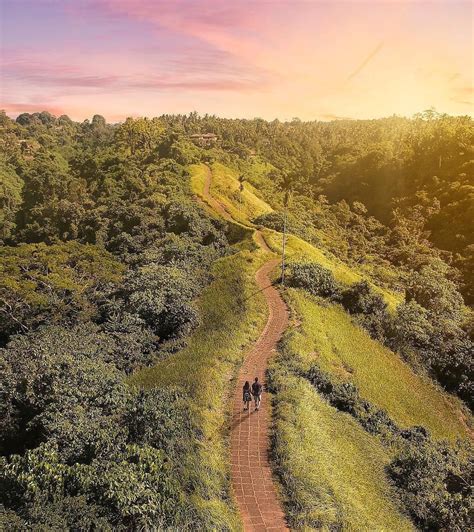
140 134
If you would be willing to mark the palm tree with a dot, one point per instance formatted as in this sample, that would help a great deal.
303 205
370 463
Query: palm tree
241 189
286 186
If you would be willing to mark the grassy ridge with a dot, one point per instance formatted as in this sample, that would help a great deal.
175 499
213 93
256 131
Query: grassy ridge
198 174
300 250
233 314
225 188
330 338
332 468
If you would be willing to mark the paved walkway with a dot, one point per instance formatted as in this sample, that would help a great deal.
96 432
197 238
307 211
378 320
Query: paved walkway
251 474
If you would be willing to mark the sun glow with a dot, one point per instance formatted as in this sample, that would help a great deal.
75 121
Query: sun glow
315 60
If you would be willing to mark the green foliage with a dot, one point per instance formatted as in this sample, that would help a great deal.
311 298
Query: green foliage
140 134
107 254
86 438
61 389
435 292
10 198
435 481
39 488
410 327
361 299
161 296
52 284
314 278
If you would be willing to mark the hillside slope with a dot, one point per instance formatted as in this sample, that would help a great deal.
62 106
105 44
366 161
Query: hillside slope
330 466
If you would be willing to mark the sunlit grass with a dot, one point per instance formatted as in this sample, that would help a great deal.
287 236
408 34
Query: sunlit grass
225 188
332 470
328 336
233 313
298 249
197 174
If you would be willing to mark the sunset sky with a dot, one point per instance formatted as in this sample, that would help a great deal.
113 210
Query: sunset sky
271 59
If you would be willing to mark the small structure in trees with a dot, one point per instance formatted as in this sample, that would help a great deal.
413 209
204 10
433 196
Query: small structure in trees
204 139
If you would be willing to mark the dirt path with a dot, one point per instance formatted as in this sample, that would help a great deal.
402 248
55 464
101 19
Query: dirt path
252 480
251 474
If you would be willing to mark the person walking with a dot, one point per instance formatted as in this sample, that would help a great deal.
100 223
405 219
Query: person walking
246 395
257 393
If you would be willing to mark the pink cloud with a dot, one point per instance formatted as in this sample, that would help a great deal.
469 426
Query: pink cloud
15 108
192 77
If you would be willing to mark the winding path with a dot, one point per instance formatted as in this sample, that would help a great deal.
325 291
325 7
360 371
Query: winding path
252 480
251 473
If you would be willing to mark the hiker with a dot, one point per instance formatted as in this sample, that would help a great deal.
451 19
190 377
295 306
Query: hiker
247 396
257 393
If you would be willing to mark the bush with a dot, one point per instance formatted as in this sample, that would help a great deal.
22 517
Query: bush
361 299
410 328
314 278
135 344
59 388
273 220
94 454
345 397
52 284
369 307
431 289
438 343
435 482
162 418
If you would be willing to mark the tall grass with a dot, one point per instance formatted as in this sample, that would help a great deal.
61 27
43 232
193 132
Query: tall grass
233 313
331 469
328 336
225 188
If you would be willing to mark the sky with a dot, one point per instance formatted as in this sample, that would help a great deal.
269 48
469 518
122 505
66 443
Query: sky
311 59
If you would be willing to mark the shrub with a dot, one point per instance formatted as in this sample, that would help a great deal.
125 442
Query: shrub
435 481
272 220
51 284
60 389
410 328
360 299
369 307
135 344
162 418
133 489
345 397
431 289
314 278
439 344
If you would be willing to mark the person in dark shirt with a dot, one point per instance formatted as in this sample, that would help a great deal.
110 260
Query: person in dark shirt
247 396
257 393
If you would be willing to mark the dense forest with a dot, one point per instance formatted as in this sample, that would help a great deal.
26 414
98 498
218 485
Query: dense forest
106 251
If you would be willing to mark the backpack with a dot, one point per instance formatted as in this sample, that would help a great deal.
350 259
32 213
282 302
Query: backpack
256 388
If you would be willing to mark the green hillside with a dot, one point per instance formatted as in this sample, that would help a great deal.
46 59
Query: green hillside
128 302
204 369
332 470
